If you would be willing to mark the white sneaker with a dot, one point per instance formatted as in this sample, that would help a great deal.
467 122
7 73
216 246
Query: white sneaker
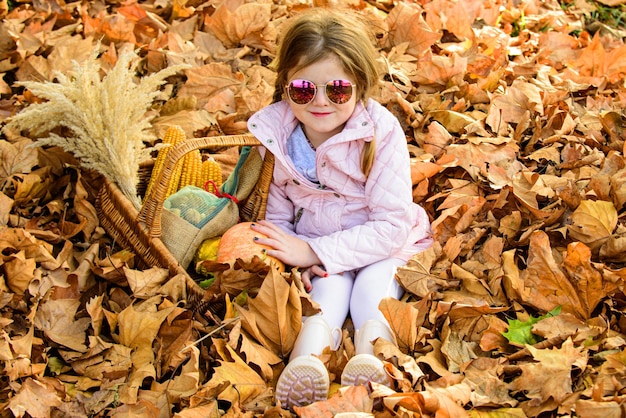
304 381
314 337
364 368
370 331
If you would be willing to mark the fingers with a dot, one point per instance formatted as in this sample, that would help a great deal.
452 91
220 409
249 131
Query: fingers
266 227
319 270
306 280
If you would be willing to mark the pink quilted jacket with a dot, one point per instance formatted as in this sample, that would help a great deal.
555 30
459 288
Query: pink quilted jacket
348 220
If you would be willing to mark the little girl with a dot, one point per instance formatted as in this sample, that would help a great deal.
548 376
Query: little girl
340 203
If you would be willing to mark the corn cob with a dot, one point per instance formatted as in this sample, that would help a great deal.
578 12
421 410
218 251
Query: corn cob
173 136
211 171
192 169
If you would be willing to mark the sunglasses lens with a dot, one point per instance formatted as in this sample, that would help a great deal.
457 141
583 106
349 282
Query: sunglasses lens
301 91
339 91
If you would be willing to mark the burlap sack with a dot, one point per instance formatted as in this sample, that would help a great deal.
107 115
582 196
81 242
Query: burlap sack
183 238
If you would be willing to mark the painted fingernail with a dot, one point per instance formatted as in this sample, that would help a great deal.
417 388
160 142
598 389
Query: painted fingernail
325 274
252 224
256 238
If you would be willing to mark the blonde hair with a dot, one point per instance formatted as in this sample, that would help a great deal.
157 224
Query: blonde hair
319 33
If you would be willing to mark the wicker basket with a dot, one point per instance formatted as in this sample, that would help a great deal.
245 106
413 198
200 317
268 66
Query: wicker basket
140 230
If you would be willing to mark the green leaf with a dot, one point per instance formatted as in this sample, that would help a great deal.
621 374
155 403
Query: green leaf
521 332
55 365
206 283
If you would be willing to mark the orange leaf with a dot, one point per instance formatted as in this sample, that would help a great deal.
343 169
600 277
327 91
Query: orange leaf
543 284
347 399
406 24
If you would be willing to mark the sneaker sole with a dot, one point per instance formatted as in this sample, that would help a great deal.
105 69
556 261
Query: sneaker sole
364 368
304 381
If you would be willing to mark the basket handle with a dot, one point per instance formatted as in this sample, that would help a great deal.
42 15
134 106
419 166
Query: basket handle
150 213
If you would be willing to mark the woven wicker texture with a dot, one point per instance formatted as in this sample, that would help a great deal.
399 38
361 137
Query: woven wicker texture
140 230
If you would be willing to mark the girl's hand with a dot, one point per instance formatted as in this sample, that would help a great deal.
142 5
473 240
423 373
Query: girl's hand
289 249
309 273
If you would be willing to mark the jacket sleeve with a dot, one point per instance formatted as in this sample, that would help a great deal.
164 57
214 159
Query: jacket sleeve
392 212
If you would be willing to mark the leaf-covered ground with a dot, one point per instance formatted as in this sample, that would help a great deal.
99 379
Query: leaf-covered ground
515 119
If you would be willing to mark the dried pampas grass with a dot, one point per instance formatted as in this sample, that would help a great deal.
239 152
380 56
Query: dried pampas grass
107 117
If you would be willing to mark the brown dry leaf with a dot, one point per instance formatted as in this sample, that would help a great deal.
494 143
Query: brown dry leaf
592 60
610 374
461 192
16 353
143 408
614 249
57 319
476 158
346 399
457 18
444 71
598 409
6 205
146 283
441 402
406 24
404 320
112 267
274 316
542 284
469 318
593 222
19 272
563 326
173 342
187 382
37 398
255 353
207 410
208 85
453 122
85 210
492 338
436 139
249 24
520 99
588 279
16 157
484 376
32 186
239 275
416 278
551 376
244 383
103 361
138 327
67 50
456 350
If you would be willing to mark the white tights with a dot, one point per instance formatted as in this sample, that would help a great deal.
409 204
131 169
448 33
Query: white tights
357 292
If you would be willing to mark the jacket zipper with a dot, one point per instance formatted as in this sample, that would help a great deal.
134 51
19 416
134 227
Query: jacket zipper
297 219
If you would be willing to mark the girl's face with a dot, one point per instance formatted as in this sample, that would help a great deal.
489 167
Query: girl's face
321 118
